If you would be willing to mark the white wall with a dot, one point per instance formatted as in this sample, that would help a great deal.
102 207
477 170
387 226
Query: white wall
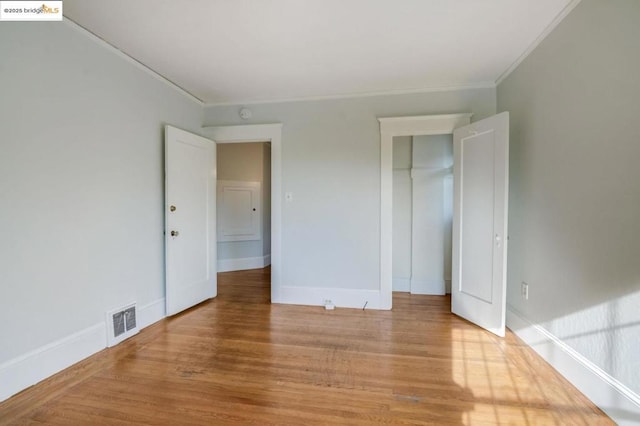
575 195
81 184
402 213
240 161
331 164
266 199
432 164
246 162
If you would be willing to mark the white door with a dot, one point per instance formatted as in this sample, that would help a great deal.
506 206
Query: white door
481 189
190 219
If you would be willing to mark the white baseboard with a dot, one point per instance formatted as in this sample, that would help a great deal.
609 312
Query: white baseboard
227 265
341 298
151 313
613 397
430 287
27 370
401 284
421 287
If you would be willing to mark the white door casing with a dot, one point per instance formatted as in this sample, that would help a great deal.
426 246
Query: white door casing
391 127
261 133
190 219
481 190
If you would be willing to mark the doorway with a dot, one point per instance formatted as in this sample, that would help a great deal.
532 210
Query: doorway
271 133
391 128
243 206
422 213
479 231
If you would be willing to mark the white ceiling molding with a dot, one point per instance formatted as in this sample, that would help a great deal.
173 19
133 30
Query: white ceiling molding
537 41
483 85
251 51
102 42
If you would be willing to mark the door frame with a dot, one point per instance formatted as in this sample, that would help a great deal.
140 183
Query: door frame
390 127
262 133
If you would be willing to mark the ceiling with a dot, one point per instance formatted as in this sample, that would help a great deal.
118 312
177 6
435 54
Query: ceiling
243 51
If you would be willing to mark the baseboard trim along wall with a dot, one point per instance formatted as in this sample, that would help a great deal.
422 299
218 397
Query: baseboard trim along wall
26 370
404 285
401 284
151 313
614 398
227 265
429 287
341 298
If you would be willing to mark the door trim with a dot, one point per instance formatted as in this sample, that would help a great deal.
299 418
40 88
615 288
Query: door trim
262 133
389 128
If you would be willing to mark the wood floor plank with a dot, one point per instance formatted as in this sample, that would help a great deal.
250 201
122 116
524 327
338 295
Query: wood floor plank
237 359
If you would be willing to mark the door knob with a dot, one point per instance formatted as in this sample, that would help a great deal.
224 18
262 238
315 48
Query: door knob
174 233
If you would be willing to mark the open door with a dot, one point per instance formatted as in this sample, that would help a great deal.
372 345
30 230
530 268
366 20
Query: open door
190 219
481 190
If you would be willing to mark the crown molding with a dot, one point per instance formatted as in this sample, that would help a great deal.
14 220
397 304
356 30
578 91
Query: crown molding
563 14
113 49
481 85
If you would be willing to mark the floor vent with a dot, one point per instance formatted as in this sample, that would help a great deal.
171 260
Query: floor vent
122 323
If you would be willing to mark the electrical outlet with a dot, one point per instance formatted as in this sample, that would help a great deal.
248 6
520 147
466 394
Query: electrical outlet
328 305
525 290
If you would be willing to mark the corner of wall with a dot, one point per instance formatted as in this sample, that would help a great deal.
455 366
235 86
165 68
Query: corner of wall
614 398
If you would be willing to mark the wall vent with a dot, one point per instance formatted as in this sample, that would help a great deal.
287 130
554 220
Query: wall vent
122 323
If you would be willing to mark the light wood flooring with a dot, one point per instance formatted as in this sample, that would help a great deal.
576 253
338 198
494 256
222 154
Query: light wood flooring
237 359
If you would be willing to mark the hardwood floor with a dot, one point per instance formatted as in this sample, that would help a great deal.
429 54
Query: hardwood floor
239 360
